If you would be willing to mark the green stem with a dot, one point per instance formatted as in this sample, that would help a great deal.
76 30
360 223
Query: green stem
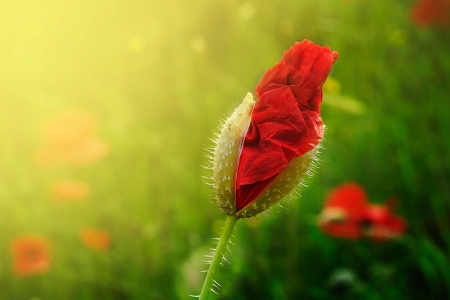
218 255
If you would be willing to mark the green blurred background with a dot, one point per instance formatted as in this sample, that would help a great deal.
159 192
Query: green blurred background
157 77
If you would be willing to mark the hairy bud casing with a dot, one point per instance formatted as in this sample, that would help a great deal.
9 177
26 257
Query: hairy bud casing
227 152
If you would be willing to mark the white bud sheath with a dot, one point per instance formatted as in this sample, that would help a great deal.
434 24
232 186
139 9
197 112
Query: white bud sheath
227 152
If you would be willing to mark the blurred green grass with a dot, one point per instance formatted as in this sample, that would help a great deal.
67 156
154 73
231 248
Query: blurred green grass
158 77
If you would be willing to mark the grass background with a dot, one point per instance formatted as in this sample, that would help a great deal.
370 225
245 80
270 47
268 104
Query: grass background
158 77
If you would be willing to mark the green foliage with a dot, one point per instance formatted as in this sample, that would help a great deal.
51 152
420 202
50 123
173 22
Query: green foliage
158 77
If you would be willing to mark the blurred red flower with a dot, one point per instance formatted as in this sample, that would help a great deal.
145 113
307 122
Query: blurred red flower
431 12
30 255
69 190
70 138
343 211
285 122
347 214
96 239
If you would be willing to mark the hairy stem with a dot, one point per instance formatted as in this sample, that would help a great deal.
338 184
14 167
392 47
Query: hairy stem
218 256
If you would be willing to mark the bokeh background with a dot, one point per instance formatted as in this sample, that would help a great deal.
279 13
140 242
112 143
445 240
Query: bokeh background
106 108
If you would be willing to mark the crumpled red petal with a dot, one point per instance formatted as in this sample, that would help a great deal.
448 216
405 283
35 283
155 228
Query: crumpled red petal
286 120
304 68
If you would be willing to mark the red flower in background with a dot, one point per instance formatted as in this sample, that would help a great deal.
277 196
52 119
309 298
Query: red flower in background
430 12
69 190
96 239
347 214
71 138
30 255
343 211
285 122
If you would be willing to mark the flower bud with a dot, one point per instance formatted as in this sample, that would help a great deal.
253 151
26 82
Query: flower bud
265 148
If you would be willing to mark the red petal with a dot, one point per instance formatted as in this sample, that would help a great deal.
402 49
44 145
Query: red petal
385 224
286 120
304 68
351 197
350 230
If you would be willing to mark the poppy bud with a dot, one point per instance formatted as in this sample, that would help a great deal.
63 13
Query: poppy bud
266 147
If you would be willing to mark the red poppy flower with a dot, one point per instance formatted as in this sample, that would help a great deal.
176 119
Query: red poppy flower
71 138
96 239
285 122
347 214
265 149
343 211
430 12
30 255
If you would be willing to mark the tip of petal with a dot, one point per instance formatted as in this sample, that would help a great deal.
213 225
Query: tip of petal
335 55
